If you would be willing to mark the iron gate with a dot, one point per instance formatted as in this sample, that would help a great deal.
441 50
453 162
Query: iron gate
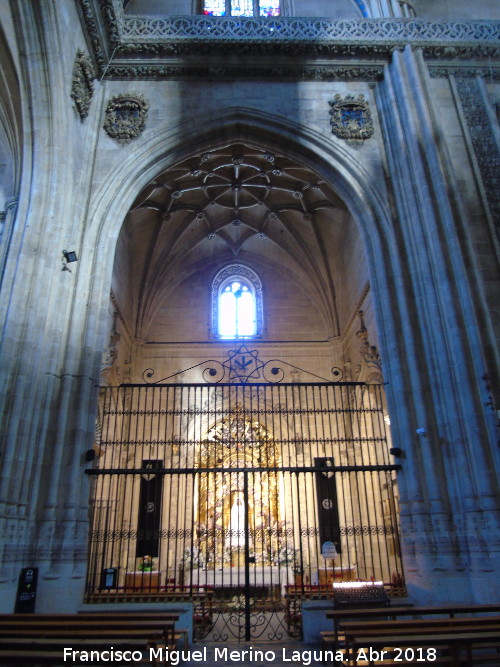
245 498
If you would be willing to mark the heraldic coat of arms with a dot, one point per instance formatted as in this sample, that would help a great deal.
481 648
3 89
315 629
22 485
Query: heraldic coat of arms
351 118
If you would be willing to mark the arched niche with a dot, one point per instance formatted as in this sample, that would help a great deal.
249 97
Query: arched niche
330 161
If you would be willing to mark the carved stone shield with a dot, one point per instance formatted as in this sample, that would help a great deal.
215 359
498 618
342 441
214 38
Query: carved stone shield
126 117
351 118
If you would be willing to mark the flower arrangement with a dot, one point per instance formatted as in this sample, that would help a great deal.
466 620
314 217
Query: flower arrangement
192 557
238 603
146 564
287 555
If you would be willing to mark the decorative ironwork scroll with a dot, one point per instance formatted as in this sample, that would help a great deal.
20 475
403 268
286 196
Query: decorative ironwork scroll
243 365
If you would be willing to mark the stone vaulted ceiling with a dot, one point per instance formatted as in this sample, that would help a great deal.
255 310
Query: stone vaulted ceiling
236 203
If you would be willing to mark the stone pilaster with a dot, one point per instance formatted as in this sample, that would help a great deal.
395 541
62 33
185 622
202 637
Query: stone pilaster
448 481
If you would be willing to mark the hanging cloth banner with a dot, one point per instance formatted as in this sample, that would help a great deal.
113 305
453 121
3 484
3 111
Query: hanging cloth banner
149 513
328 511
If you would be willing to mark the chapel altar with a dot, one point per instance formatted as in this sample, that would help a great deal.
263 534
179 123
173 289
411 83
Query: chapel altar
234 577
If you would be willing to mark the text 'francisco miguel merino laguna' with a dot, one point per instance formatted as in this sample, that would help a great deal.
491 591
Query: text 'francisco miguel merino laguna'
222 655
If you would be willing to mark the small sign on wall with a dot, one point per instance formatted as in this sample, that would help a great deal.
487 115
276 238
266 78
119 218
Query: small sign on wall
328 550
109 577
26 591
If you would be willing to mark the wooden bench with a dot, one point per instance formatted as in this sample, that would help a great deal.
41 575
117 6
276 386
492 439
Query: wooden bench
453 643
452 636
51 646
76 623
24 637
449 610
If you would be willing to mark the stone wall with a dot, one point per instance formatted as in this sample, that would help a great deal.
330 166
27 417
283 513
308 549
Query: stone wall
416 193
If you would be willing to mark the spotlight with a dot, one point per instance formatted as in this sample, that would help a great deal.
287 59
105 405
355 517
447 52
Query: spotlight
70 256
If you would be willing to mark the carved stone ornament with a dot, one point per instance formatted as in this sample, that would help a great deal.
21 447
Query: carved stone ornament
126 117
82 85
351 118
371 365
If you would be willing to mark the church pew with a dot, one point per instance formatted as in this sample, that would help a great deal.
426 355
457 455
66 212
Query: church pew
31 647
49 634
448 610
106 621
462 648
401 626
139 629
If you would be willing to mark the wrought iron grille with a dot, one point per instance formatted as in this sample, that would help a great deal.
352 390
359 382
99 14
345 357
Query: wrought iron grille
245 498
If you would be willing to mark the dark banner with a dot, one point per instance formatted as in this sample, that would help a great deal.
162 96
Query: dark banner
149 516
328 511
26 591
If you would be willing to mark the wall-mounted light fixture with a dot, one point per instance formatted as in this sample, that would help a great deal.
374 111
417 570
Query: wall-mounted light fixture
70 256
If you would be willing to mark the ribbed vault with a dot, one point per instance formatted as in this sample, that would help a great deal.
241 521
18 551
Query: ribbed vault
239 203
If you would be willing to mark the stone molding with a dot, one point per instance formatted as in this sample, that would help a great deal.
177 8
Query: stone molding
118 41
143 29
483 142
438 71
334 72
305 38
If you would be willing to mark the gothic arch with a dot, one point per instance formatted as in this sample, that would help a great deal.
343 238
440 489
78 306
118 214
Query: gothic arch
160 150
364 198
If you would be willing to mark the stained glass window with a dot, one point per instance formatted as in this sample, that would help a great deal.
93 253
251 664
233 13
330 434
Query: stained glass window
270 8
241 7
237 303
215 7
237 311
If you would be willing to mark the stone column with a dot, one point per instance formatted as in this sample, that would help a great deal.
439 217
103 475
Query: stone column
389 8
51 332
448 485
7 218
